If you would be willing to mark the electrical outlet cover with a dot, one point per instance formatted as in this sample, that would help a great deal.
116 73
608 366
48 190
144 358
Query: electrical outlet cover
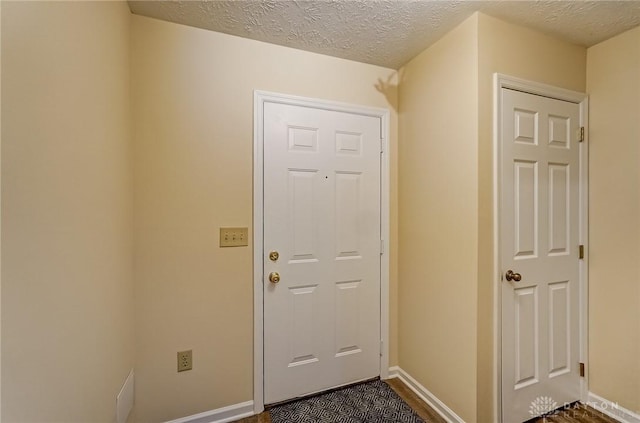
185 360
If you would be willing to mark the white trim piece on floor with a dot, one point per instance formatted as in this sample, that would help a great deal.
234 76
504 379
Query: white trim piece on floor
394 371
124 400
612 409
448 414
220 415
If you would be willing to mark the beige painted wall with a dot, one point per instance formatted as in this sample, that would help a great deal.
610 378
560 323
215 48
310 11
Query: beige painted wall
523 53
438 218
67 205
67 287
613 83
193 112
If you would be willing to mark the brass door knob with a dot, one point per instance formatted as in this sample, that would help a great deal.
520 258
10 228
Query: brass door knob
274 277
513 276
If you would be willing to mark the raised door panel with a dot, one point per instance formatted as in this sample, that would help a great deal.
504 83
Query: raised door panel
525 175
347 321
302 210
559 328
559 209
347 214
304 306
526 337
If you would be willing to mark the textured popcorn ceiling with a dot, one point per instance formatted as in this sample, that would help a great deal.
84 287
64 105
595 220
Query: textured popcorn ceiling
388 32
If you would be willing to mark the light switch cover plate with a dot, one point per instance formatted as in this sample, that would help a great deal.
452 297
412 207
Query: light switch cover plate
234 237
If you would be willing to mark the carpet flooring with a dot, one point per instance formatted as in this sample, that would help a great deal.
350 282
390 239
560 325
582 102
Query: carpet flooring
368 402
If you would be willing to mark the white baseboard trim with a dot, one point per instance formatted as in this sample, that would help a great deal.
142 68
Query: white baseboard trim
125 398
220 415
612 409
425 395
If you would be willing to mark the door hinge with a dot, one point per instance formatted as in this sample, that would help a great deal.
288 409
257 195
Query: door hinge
581 134
381 246
581 252
381 345
581 369
382 145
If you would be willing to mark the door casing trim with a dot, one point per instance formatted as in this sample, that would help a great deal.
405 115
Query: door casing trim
501 81
259 100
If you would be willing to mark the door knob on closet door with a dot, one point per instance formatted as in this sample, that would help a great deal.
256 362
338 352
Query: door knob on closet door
274 277
513 276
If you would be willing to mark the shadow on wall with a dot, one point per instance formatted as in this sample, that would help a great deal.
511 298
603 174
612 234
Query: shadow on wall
389 88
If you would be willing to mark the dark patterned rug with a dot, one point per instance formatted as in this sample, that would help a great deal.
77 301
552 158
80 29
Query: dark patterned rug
369 402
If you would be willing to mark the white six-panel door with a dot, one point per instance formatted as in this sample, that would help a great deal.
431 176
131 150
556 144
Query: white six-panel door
322 218
539 241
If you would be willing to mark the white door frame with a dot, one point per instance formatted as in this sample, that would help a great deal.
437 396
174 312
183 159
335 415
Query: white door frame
259 99
501 81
